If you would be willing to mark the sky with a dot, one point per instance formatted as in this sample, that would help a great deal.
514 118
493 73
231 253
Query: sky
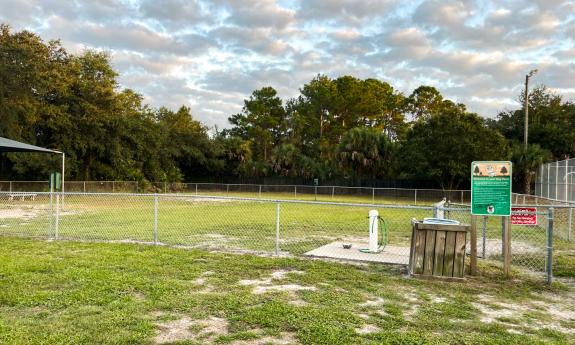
211 55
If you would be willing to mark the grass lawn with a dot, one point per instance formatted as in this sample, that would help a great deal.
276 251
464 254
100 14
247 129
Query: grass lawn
250 225
108 293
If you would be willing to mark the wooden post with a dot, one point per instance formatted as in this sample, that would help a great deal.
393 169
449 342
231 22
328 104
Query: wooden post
473 244
506 245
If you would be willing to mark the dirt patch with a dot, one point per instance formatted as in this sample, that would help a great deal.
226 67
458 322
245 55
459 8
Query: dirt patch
199 281
493 248
373 302
265 285
178 330
174 331
18 213
493 310
30 212
284 339
258 290
276 275
367 329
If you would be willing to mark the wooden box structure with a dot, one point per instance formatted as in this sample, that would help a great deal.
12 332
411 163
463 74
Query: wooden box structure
438 250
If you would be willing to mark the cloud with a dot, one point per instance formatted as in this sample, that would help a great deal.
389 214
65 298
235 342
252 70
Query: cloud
211 54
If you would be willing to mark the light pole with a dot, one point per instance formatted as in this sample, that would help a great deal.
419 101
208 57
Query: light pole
526 129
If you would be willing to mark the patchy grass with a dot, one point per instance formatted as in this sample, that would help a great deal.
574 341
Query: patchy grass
250 225
66 292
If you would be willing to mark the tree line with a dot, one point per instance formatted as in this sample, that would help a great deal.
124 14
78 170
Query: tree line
343 128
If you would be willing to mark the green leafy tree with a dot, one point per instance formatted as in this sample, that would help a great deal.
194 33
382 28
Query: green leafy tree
262 121
443 146
526 162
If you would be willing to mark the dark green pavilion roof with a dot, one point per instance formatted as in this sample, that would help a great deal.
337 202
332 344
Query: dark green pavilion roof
8 145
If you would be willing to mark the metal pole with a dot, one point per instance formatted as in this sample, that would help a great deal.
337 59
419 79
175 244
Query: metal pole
332 191
227 190
57 215
278 228
550 246
10 186
526 122
155 218
63 173
51 208
295 192
84 186
462 197
260 191
557 182
196 189
165 187
373 195
113 186
570 224
484 235
548 179
566 169
415 196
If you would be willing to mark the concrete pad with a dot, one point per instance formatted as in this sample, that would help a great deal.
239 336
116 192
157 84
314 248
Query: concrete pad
335 250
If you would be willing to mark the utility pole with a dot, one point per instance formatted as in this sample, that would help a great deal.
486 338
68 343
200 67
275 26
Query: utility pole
526 100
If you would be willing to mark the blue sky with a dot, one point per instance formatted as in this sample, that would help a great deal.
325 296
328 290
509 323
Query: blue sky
210 55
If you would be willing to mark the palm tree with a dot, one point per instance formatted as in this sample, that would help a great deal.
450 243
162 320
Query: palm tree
527 161
358 151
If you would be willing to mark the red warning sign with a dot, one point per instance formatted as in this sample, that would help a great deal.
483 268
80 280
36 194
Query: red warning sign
524 215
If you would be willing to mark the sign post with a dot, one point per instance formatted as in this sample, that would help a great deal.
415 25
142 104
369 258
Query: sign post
491 196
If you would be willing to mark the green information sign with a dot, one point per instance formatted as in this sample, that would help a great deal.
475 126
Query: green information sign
491 188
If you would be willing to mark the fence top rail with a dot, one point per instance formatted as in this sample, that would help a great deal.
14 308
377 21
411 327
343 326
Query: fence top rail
260 184
263 200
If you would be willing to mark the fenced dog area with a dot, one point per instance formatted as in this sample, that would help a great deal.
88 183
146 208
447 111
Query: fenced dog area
228 269
335 230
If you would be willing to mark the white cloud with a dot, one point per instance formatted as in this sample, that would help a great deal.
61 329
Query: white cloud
211 55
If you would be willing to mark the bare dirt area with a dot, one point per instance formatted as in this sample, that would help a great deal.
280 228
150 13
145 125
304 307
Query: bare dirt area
205 330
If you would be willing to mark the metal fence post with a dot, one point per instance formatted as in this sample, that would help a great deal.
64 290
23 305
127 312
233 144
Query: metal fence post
165 187
113 187
155 218
415 196
196 189
277 228
10 186
332 191
57 226
570 224
295 192
550 245
373 195
260 191
51 231
462 197
227 190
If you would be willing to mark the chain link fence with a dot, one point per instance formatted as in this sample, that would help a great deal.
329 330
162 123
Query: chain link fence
265 226
291 192
555 181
